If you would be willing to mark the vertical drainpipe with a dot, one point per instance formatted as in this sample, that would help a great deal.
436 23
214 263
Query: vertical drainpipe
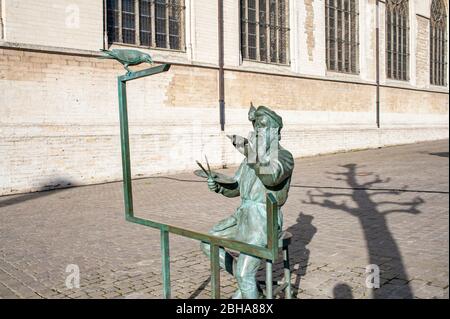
221 70
2 33
105 34
378 62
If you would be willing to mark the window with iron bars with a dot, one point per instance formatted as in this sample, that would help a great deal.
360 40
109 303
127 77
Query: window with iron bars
438 43
265 31
342 46
147 23
397 39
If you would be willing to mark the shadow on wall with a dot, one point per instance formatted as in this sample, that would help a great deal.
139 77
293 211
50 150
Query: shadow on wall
371 213
47 188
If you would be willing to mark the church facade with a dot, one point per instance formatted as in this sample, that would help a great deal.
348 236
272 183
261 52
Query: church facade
343 74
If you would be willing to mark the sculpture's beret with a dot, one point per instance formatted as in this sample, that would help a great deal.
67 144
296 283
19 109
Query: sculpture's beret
264 110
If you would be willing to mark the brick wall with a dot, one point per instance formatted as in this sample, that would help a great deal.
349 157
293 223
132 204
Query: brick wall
73 24
59 121
422 52
59 112
290 93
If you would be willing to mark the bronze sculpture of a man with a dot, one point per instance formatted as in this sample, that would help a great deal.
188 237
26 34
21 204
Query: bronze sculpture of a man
267 167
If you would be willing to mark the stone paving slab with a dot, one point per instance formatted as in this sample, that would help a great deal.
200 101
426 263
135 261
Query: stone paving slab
387 207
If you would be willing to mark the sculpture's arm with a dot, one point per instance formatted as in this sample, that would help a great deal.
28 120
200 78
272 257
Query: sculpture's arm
231 190
276 170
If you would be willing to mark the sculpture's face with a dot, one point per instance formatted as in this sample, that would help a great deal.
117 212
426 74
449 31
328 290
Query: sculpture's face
262 121
266 129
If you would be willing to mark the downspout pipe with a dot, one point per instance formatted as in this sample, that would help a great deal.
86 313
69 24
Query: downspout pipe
221 67
2 27
378 63
105 33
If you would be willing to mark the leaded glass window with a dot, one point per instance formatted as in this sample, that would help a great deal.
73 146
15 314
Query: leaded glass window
149 23
341 22
265 30
397 39
438 43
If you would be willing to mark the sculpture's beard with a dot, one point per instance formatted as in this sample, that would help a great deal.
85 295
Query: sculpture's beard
266 138
263 145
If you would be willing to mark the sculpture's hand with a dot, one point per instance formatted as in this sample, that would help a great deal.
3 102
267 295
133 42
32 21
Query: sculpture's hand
239 142
213 185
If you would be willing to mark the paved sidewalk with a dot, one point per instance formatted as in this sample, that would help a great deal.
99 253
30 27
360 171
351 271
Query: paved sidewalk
388 207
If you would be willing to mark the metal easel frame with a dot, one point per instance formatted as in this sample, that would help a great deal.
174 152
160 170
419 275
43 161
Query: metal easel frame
269 253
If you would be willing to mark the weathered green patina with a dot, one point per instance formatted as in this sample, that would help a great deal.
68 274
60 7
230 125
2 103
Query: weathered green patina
266 169
127 57
269 251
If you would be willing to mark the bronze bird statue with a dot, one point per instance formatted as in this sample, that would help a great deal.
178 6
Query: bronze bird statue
127 57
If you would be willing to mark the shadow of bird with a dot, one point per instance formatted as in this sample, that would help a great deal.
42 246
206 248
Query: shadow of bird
127 57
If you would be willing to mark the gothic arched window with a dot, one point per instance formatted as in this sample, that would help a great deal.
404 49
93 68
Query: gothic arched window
397 39
438 43
341 21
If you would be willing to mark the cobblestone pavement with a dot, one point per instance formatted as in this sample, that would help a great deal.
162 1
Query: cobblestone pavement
387 207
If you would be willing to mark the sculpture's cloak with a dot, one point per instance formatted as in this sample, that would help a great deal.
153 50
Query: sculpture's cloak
249 222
